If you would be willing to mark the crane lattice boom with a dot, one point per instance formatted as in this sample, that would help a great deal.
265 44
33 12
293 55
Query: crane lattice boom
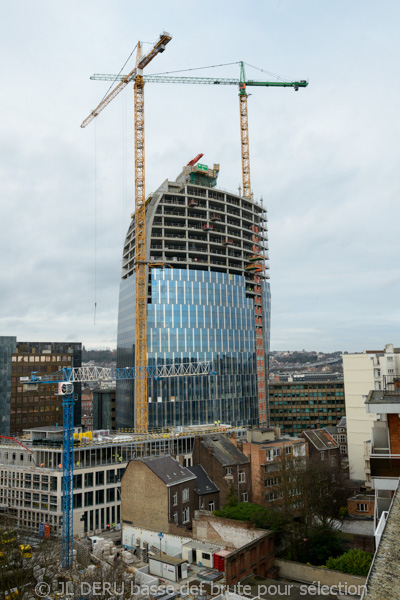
98 374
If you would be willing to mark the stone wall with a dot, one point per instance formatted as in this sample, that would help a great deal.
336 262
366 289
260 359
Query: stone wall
310 574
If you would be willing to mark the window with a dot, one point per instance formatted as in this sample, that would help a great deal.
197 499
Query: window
175 499
100 478
175 517
245 497
242 477
185 495
88 479
88 498
110 495
111 476
229 470
362 507
322 455
288 450
211 505
205 556
185 515
100 497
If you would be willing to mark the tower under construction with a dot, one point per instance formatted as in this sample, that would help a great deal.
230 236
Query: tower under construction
208 298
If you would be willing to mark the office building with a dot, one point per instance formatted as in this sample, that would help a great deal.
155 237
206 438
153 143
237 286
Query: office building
104 408
31 475
8 345
364 372
208 299
22 408
299 405
42 406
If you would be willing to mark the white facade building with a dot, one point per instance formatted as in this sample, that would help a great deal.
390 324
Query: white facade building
363 372
31 475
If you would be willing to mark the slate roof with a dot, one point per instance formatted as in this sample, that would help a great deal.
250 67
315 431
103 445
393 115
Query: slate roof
342 422
225 452
168 469
203 484
332 429
320 439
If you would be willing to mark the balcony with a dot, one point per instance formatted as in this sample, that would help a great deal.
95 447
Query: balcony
383 402
387 466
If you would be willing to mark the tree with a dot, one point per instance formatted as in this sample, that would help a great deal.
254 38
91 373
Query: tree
308 493
323 492
322 544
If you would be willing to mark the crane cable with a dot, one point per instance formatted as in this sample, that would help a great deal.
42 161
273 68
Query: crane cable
198 68
95 221
120 71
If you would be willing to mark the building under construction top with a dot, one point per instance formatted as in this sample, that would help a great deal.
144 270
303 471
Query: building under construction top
208 299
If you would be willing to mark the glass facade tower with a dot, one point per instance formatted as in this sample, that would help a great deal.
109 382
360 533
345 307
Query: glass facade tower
201 304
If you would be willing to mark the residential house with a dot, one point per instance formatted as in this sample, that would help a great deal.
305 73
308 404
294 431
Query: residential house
226 466
158 494
322 446
205 489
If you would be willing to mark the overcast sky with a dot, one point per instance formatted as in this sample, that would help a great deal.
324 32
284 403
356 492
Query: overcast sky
325 159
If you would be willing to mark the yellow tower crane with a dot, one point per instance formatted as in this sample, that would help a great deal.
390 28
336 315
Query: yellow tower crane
136 75
257 259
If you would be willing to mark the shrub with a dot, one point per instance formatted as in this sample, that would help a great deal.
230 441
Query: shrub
354 562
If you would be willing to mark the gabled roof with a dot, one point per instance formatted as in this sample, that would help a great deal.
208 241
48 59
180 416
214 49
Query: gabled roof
168 469
320 439
203 484
342 422
224 451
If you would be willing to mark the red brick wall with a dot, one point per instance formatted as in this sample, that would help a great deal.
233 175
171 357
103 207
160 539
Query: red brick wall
394 433
253 559
354 512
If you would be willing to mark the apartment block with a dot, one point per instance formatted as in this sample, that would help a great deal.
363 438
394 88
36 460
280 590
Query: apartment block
384 407
273 459
299 405
365 372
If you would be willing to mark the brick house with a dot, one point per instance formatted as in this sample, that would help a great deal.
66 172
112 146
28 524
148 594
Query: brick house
158 494
226 466
322 446
361 506
273 460
206 490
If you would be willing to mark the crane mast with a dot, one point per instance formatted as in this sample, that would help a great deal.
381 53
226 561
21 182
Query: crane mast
136 75
140 254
